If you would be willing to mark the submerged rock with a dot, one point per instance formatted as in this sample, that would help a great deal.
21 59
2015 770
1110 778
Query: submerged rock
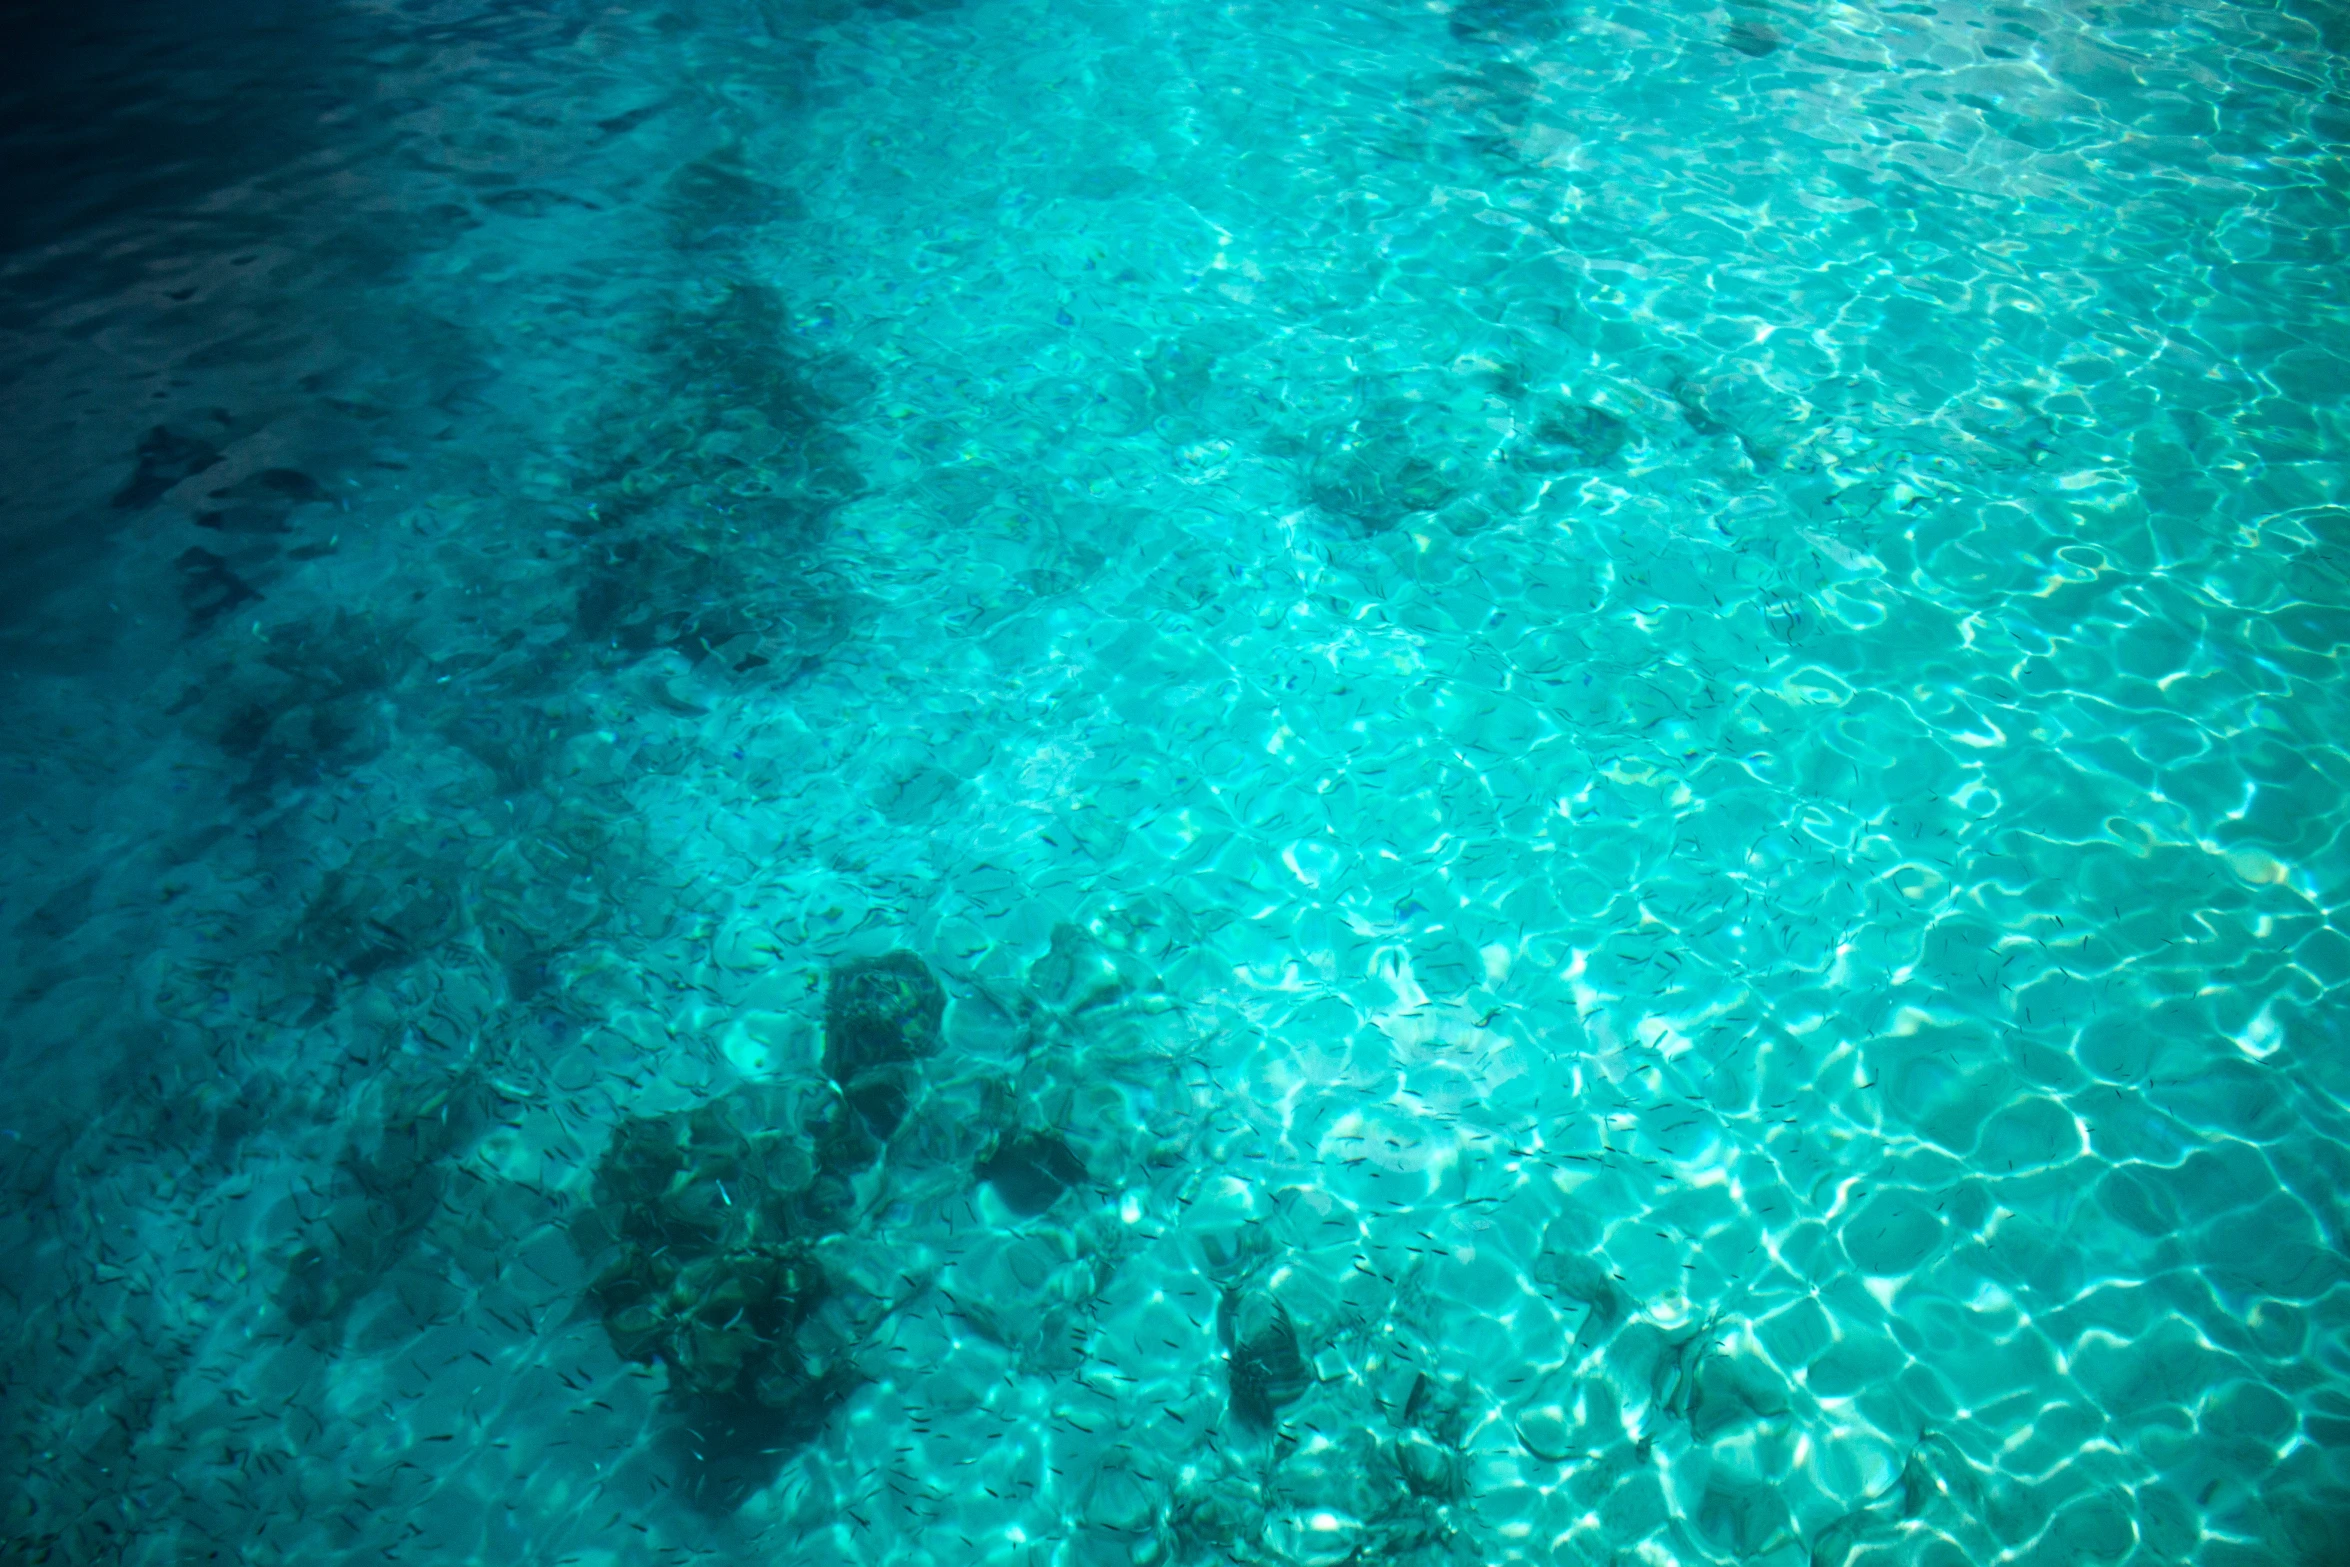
725 1176
1031 1172
1577 1279
1400 457
1429 1467
878 1011
1588 436
723 1322
1508 23
880 1015
1376 480
1432 1409
704 1225
1267 1369
1548 1424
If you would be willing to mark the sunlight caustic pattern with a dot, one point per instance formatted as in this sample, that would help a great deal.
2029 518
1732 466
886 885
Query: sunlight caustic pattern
1156 783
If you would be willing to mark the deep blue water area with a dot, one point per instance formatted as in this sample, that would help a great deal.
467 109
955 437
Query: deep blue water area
1062 783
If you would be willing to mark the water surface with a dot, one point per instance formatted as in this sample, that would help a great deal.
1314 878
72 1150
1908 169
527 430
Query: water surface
1067 783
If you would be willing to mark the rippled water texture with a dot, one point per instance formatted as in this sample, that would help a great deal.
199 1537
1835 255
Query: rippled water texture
1090 783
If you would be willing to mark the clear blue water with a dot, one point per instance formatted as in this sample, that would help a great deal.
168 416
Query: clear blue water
1068 784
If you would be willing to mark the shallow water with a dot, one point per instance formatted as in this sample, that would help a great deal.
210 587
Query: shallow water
1608 739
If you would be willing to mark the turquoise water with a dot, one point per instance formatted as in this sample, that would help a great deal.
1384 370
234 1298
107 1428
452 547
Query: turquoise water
1066 784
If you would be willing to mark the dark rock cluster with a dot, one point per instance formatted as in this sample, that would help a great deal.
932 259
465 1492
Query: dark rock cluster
711 1273
881 1016
1267 1368
707 1223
